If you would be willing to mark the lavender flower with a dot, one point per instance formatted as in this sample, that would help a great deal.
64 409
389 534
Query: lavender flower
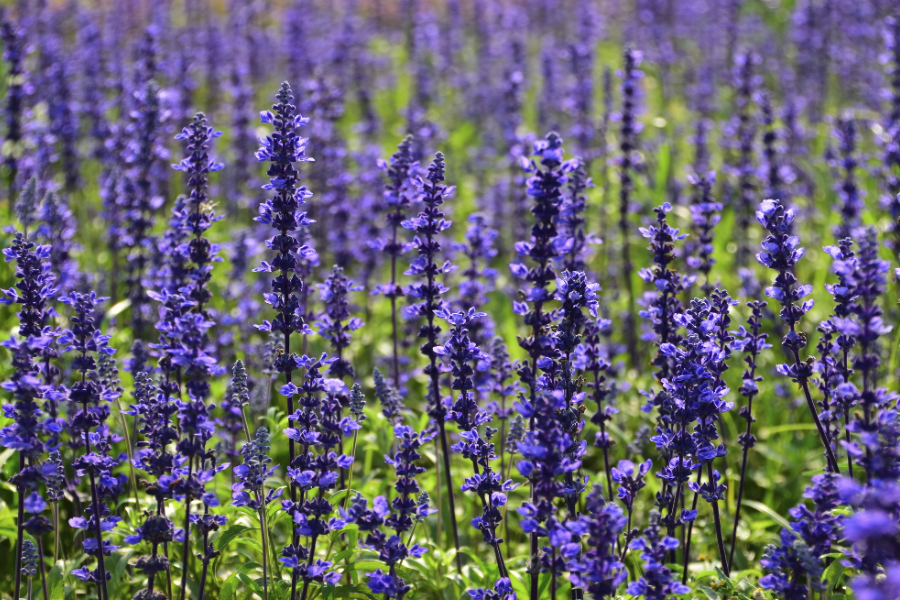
485 482
852 198
83 339
599 569
14 55
780 252
751 342
656 583
398 194
400 516
318 429
336 324
705 216
629 159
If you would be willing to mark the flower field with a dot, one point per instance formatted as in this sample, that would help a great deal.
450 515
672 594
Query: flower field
485 299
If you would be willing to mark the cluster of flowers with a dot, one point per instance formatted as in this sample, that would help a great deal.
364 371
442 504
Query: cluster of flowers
483 411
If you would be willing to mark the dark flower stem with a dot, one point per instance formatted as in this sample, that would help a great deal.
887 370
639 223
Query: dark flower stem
718 522
690 531
186 545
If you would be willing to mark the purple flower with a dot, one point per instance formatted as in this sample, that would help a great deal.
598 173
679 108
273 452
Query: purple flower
657 582
251 475
14 51
404 511
705 216
781 252
336 324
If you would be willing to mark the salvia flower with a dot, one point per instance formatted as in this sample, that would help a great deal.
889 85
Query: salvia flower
851 197
56 229
29 558
573 241
154 410
781 252
705 216
253 472
487 483
335 324
14 51
794 567
317 428
399 516
388 397
478 275
84 340
629 162
743 128
575 295
399 193
661 310
548 176
657 582
140 200
284 149
33 291
751 342
592 357
599 569
502 591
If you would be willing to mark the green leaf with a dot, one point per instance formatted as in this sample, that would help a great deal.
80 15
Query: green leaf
55 583
115 565
768 511
228 535
834 573
236 579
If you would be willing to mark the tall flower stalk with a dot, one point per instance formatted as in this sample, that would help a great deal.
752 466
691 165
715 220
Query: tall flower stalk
427 225
14 55
548 176
318 430
250 489
751 342
154 410
781 252
140 200
34 292
628 141
485 482
84 339
398 194
400 516
705 214
197 364
284 148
